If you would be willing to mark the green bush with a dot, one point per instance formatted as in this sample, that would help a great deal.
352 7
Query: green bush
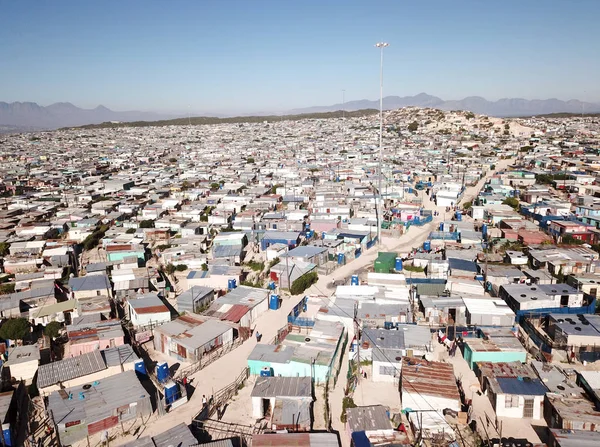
348 402
256 266
4 246
7 288
52 329
14 329
272 263
181 267
130 230
303 283
512 202
147 224
413 268
170 269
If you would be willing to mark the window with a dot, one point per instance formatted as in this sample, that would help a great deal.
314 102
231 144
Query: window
511 401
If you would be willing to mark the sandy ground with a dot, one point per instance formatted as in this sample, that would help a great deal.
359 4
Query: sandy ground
226 369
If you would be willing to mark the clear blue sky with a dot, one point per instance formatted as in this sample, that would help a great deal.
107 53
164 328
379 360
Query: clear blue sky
263 55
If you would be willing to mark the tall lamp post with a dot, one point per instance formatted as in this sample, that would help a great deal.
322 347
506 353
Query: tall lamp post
381 46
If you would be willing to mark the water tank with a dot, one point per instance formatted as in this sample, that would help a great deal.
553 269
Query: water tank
354 280
171 392
274 302
265 372
427 245
459 215
398 264
140 368
231 284
341 258
162 371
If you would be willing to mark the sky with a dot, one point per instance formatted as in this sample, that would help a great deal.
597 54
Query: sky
244 56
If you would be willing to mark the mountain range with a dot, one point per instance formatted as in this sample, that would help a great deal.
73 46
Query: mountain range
31 116
476 104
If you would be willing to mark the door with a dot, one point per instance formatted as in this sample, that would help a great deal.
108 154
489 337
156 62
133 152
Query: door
528 409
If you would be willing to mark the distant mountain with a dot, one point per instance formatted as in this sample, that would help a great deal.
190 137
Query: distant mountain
31 116
475 104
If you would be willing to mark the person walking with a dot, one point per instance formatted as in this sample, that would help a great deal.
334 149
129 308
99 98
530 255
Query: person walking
203 400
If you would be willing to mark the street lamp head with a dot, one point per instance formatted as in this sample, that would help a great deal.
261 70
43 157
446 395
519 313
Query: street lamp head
382 44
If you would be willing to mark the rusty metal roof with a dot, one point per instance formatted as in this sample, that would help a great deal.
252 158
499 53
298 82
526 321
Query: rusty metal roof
429 378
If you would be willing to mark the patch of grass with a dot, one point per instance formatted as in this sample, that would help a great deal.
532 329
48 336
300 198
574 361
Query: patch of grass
413 268
256 266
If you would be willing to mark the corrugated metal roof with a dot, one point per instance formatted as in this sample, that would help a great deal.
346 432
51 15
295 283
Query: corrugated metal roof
70 368
295 440
369 418
89 282
282 387
179 436
523 387
429 378
291 413
100 401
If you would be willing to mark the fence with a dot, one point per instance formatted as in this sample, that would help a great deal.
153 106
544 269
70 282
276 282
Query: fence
220 398
209 358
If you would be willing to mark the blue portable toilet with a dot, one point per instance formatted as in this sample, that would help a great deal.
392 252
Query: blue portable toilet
162 372
341 258
271 285
484 230
274 302
354 280
171 392
265 372
427 245
231 284
140 368
459 216
416 219
441 226
7 435
398 265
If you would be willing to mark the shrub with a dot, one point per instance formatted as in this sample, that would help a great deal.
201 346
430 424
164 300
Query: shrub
512 202
303 283
170 269
413 268
181 267
256 266
14 329
52 329
348 402
7 288
147 224
130 230
4 246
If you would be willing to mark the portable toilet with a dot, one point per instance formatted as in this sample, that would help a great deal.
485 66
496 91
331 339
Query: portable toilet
271 285
441 226
398 264
265 372
354 280
459 216
140 368
274 302
6 434
484 230
341 258
427 246
171 392
162 371
231 284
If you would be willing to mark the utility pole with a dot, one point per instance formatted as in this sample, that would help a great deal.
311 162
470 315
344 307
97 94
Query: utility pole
357 335
381 46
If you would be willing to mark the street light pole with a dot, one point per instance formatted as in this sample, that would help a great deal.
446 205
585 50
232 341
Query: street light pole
381 46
